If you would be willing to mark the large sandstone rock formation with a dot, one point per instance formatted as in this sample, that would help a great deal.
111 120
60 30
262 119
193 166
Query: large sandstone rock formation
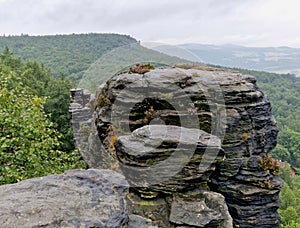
228 106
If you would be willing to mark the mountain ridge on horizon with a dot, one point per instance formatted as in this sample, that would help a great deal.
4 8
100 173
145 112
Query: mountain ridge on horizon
281 59
238 45
161 43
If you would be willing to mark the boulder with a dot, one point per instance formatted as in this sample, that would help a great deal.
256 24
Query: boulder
204 209
167 158
77 198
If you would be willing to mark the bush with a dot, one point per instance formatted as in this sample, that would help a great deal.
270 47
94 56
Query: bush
28 142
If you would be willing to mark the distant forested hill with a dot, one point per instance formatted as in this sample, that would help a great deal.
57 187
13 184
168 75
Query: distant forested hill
64 54
72 55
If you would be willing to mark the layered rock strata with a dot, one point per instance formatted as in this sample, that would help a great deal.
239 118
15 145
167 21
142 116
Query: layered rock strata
167 159
86 137
222 103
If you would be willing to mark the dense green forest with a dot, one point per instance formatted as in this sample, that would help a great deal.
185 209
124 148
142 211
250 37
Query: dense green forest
35 137
41 71
290 199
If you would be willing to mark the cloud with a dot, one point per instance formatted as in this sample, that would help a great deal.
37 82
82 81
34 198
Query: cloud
247 22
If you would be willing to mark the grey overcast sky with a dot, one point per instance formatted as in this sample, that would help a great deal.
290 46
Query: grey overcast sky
244 22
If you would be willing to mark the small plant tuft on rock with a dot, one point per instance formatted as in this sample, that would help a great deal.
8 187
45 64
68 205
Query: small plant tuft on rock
269 163
141 68
102 100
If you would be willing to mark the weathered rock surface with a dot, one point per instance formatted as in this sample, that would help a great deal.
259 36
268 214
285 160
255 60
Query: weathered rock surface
77 198
250 187
167 158
223 103
205 209
85 133
101 198
197 208
136 221
80 112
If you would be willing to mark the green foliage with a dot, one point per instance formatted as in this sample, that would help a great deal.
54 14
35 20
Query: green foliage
57 107
290 218
27 138
290 200
284 93
39 81
288 147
